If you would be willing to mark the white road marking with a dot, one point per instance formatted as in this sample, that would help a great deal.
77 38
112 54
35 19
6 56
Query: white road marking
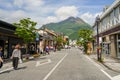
46 77
101 69
43 57
106 74
94 63
116 77
6 69
39 63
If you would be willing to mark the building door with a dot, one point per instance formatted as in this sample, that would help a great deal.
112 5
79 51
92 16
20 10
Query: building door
2 45
6 49
118 45
106 48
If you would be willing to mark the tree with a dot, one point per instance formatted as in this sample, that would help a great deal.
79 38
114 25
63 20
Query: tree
85 35
26 30
59 42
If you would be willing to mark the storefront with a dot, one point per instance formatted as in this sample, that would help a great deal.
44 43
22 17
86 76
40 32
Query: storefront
106 49
8 39
111 47
118 45
109 29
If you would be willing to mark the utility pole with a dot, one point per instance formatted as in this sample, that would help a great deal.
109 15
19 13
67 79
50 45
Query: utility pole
97 25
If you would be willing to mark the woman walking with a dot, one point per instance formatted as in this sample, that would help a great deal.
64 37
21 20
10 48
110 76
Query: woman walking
16 55
47 49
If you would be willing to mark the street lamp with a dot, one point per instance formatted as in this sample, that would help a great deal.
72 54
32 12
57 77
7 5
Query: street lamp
97 24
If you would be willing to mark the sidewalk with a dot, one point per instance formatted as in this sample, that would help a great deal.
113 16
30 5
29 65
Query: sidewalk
109 62
8 64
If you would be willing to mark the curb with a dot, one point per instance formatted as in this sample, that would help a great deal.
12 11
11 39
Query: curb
103 63
118 71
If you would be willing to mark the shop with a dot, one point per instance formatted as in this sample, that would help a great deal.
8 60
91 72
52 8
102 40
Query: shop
8 39
106 49
118 45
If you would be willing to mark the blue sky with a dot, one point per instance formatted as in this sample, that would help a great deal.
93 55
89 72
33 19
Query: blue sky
46 11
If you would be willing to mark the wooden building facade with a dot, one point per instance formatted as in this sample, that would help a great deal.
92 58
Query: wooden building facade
8 39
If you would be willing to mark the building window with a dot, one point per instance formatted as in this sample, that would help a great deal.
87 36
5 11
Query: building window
112 18
116 15
118 36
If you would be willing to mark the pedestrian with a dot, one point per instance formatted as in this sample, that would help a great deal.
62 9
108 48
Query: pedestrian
32 49
47 49
16 55
1 60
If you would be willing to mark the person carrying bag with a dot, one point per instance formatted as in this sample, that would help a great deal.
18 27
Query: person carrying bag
16 56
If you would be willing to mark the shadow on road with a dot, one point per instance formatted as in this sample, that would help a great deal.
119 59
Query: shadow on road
22 67
41 58
8 71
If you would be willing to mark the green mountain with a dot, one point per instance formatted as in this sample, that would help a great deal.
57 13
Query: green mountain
69 27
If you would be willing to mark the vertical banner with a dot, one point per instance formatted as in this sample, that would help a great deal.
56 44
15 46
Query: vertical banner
37 36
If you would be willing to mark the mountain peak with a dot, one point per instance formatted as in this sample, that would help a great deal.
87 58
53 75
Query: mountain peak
75 20
69 26
71 17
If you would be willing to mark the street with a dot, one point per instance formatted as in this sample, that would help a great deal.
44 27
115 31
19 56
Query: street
67 64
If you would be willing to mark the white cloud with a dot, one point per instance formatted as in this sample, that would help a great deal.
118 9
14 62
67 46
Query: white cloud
28 4
39 21
40 12
61 14
18 3
50 19
33 4
12 16
5 3
66 11
89 17
17 15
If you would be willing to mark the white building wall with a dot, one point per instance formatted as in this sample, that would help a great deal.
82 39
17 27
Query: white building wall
112 19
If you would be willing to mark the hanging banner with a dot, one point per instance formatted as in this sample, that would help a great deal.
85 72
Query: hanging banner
37 36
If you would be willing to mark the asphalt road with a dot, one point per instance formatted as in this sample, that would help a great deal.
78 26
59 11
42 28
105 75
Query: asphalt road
69 64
